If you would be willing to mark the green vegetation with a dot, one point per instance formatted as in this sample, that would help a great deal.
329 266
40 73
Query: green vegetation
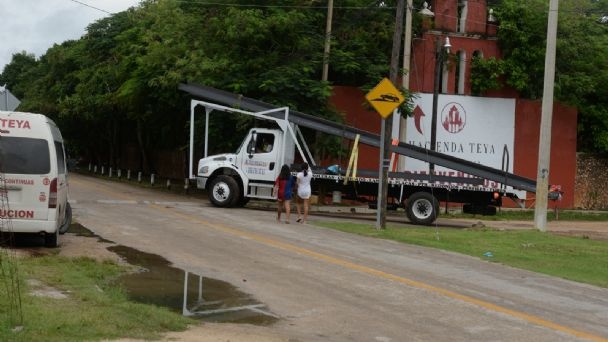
577 259
92 310
118 84
581 67
528 215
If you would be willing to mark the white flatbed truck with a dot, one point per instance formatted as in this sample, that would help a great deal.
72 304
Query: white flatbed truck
232 179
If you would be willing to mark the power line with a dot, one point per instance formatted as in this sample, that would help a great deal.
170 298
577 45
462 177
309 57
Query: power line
372 6
93 7
223 4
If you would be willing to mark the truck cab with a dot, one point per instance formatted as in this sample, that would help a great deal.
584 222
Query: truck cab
232 179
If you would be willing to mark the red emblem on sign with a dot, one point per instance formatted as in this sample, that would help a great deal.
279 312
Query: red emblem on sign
453 117
46 181
42 197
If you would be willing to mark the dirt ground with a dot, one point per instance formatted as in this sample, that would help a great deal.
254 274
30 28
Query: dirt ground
595 230
75 246
72 245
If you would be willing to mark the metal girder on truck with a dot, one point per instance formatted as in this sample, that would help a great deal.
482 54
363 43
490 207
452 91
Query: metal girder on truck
371 139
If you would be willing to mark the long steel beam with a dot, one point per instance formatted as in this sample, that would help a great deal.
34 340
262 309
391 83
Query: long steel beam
365 137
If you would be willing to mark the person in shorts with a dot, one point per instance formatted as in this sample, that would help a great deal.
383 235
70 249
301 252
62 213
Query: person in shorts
303 179
283 186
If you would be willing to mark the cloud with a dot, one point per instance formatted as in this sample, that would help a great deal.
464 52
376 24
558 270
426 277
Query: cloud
34 26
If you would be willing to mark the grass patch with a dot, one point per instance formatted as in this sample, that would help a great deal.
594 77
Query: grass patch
93 310
528 215
577 259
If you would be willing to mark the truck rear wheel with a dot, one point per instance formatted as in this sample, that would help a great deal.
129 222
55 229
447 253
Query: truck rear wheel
422 208
224 191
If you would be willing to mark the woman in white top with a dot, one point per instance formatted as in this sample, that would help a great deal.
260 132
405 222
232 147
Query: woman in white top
304 191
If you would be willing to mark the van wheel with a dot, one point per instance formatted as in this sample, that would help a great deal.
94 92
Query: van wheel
50 240
224 191
422 208
68 219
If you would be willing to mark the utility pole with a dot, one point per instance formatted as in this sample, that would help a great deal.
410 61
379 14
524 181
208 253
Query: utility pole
326 50
544 144
407 46
436 85
440 58
407 56
330 11
387 123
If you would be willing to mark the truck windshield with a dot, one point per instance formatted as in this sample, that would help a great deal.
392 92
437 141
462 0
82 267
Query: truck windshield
24 156
243 144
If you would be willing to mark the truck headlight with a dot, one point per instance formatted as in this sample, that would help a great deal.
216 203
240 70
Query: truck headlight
204 170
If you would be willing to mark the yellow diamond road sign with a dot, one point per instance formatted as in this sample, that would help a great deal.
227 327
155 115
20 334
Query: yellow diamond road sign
385 98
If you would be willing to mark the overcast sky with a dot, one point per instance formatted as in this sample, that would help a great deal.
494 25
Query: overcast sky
35 25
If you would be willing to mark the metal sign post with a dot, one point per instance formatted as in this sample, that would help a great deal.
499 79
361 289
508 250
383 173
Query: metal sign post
385 98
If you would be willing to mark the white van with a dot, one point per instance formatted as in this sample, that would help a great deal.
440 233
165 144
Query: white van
34 174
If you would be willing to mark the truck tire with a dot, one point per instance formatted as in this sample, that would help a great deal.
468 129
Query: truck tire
224 191
422 208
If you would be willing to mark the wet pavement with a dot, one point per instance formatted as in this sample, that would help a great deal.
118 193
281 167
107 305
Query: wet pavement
157 282
328 285
211 300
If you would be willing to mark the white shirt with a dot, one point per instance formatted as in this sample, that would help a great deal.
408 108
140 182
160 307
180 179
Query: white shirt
304 190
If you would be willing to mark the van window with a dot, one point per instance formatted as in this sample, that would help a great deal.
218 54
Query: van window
24 155
60 159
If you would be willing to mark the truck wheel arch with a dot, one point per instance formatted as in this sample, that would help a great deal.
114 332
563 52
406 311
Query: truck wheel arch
422 208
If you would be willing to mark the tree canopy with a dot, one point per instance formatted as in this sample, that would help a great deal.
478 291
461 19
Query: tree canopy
117 84
581 69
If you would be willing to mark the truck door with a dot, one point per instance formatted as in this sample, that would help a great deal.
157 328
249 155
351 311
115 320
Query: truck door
260 160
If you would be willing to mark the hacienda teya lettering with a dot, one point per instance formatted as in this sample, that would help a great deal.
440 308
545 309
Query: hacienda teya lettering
452 147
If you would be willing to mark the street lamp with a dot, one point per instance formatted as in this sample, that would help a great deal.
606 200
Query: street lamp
407 53
440 55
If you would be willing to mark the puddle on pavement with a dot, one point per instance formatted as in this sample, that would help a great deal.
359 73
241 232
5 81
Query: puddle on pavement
208 299
79 230
158 283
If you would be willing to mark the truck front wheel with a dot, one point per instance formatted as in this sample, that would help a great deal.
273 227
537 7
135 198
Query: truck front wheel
422 208
224 191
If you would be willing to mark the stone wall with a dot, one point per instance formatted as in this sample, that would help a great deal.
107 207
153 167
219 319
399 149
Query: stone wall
591 180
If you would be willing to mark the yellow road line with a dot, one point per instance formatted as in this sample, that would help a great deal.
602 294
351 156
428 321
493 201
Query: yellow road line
374 272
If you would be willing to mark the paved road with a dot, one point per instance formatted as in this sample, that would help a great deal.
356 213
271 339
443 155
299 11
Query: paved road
327 285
